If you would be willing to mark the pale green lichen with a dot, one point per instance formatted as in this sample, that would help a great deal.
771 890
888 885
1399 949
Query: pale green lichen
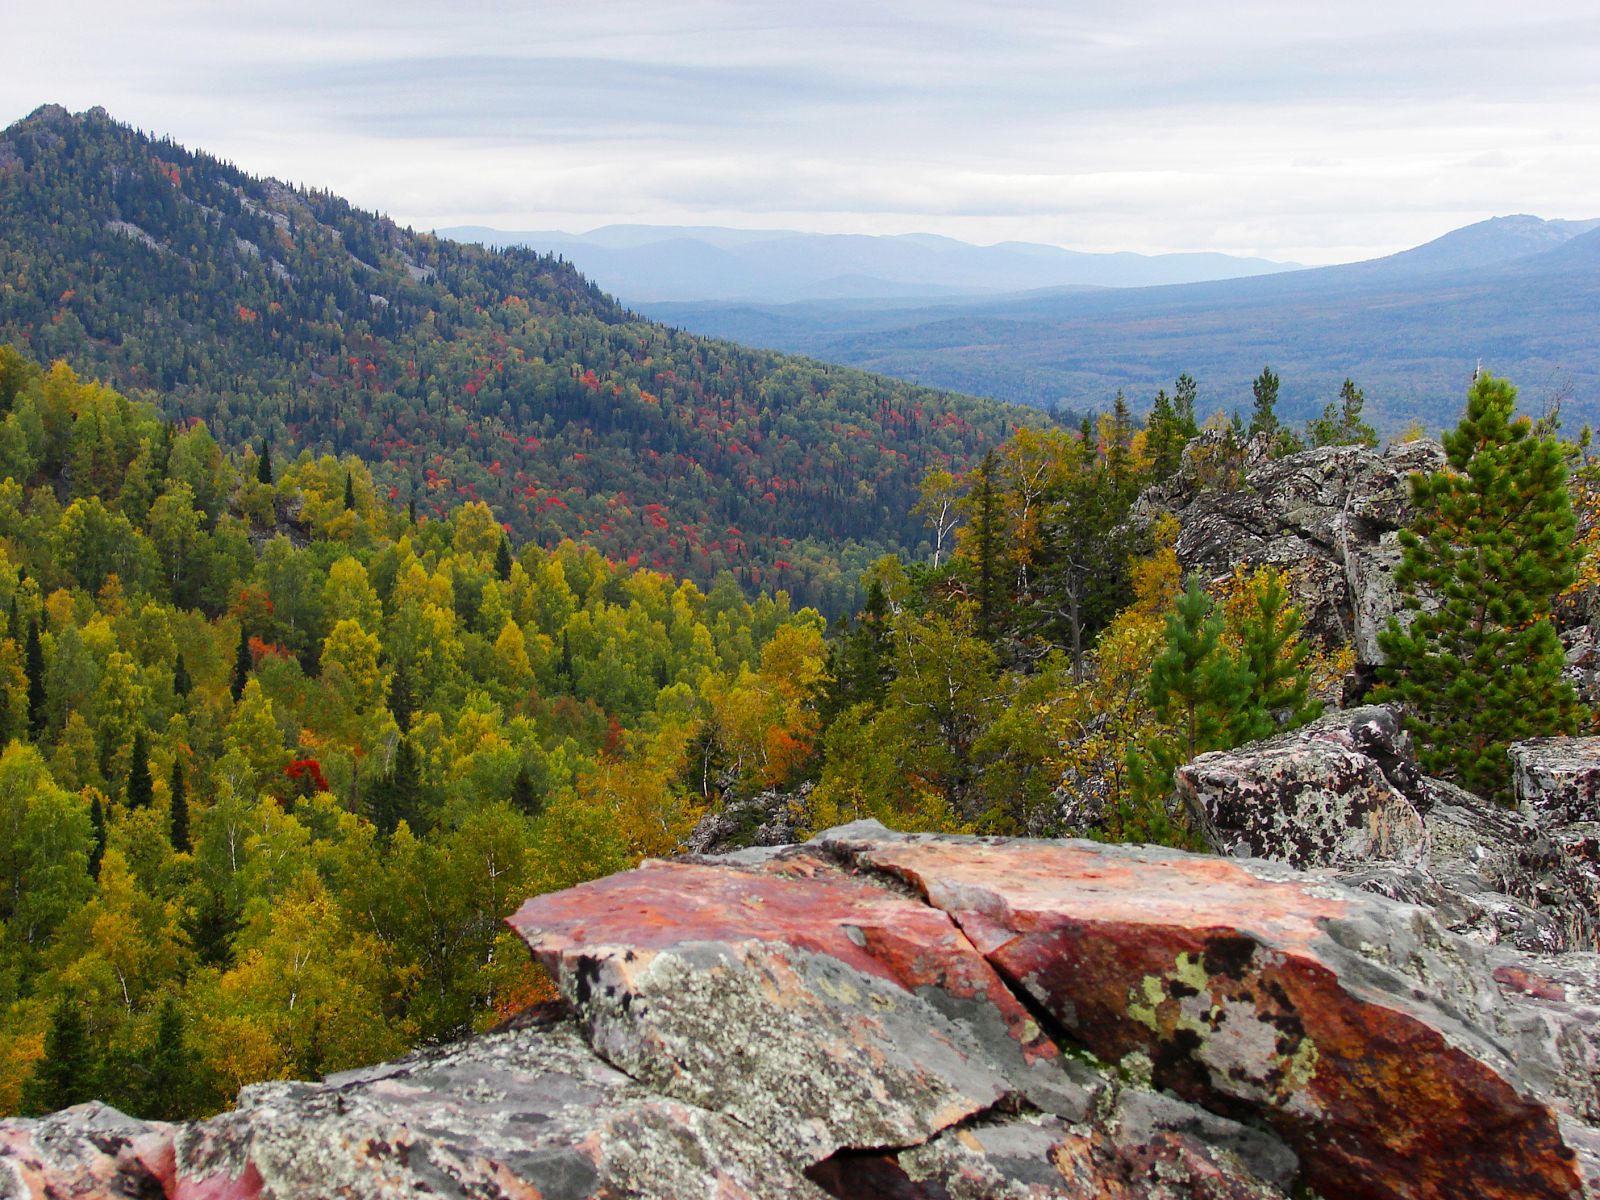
1199 1013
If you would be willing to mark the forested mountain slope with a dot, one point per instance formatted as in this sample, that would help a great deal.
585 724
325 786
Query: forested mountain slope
459 373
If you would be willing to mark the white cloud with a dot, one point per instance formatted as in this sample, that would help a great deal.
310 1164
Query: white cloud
1311 132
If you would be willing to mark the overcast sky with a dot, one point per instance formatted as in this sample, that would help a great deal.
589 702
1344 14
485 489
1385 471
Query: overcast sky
1313 132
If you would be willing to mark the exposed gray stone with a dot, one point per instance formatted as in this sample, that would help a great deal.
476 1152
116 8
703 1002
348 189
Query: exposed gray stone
1316 797
1329 518
1558 777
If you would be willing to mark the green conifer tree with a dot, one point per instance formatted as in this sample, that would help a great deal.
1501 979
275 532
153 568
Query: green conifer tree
1264 411
264 463
986 531
138 790
182 685
33 668
502 560
168 1076
1489 549
525 797
398 796
1184 394
1342 425
97 823
349 491
68 1073
242 662
1274 657
402 703
179 825
1197 686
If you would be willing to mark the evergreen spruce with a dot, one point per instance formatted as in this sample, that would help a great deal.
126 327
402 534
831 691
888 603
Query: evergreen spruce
33 668
566 669
398 796
264 463
1184 394
1163 438
525 797
1342 425
139 789
179 827
1197 686
211 928
68 1073
1264 412
1274 657
986 531
402 704
168 1068
1492 545
97 824
182 685
502 560
242 662
349 491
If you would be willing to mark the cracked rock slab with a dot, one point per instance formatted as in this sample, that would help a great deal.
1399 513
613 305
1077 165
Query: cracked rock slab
825 1011
1357 1029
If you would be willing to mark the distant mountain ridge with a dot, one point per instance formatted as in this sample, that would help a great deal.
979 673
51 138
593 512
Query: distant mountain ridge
1519 294
645 264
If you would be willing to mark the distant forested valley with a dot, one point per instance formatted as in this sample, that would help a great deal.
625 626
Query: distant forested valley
287 318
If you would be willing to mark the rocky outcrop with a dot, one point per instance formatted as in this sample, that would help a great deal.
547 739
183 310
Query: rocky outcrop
736 822
1318 797
1558 778
1345 795
875 1014
1329 518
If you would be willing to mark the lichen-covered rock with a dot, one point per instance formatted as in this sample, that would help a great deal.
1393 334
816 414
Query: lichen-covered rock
760 992
1321 796
1329 518
1332 1016
1558 777
85 1153
939 1018
527 1112
764 819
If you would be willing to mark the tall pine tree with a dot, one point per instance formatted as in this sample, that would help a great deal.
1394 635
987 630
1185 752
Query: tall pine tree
69 1072
33 668
242 662
1491 546
179 825
139 789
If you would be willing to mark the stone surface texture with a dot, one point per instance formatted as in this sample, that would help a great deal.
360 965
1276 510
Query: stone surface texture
1558 778
872 1014
1329 518
1317 797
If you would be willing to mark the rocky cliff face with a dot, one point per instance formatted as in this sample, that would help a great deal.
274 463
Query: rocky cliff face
1330 518
879 1015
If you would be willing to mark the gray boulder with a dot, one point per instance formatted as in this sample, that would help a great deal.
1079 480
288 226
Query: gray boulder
1329 518
1317 797
1558 778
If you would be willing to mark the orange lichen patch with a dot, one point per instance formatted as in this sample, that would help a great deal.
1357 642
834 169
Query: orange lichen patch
797 902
